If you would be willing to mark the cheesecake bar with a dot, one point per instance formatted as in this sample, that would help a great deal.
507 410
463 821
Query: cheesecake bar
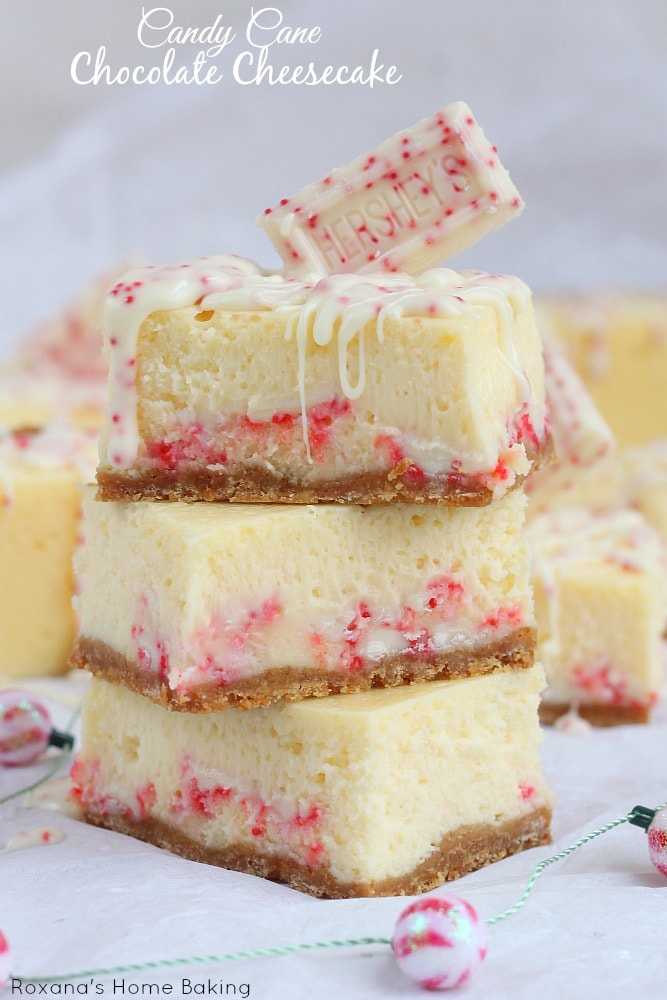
59 371
601 607
30 400
618 344
230 383
600 487
200 606
644 469
629 478
69 343
40 473
381 793
583 441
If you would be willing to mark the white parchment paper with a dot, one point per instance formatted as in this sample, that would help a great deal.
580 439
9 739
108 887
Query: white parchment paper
593 928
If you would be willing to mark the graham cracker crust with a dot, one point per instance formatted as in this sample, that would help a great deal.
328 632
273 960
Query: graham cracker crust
511 652
465 850
597 713
252 485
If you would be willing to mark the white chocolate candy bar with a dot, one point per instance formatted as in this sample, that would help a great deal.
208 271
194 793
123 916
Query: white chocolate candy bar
420 198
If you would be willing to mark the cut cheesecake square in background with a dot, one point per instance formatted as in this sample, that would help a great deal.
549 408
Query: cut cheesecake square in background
644 471
601 607
200 606
68 344
600 487
58 372
617 342
31 400
582 438
381 793
632 478
40 475
230 383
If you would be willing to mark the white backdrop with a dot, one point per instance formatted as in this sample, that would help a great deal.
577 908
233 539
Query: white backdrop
573 93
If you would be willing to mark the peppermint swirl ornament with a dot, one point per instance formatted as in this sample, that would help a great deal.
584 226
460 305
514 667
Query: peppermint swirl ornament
438 942
657 841
654 821
26 730
5 961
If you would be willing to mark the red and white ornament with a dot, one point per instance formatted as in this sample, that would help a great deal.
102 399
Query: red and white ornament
657 841
5 961
25 729
438 942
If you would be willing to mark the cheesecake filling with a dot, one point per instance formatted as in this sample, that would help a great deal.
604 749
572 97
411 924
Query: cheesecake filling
338 442
242 814
450 613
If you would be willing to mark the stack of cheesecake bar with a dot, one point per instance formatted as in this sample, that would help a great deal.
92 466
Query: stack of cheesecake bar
305 588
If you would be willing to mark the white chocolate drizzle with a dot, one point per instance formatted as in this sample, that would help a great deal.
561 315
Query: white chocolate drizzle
40 837
321 309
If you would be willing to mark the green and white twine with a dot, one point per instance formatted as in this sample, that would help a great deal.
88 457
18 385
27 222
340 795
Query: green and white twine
275 952
290 949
